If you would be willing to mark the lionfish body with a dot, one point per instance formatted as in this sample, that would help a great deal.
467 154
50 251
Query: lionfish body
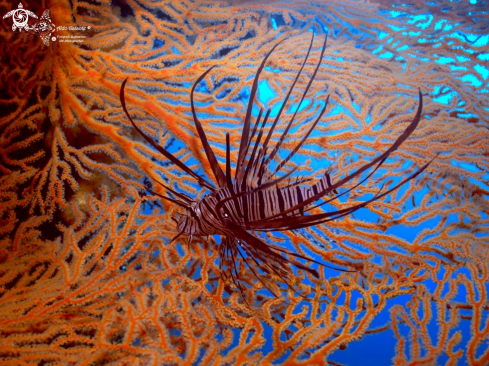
255 201
255 206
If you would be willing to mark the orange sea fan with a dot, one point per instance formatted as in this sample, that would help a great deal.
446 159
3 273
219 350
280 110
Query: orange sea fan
87 275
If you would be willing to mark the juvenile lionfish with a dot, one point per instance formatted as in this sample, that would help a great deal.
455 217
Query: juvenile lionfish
255 201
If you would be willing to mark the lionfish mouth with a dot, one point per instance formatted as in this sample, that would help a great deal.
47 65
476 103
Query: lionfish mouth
253 201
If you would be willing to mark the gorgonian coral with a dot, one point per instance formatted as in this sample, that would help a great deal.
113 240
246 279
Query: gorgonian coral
87 274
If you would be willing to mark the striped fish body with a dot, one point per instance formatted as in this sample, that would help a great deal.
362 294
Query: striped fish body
258 198
255 206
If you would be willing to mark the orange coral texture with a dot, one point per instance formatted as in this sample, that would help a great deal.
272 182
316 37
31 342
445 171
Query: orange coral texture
87 276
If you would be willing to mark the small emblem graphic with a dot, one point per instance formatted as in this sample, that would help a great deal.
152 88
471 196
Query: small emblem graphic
20 17
44 28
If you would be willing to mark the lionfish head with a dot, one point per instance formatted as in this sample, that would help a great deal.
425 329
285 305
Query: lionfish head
188 223
185 225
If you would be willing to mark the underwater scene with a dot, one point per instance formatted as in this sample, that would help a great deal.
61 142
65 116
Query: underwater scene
244 182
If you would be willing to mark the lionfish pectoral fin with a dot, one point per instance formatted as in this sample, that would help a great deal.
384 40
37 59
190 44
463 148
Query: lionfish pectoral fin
271 261
211 158
256 274
228 258
201 181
